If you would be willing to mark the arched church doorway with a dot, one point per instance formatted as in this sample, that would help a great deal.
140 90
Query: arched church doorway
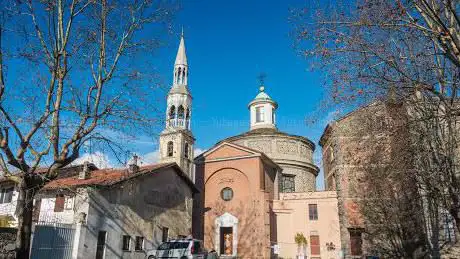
226 235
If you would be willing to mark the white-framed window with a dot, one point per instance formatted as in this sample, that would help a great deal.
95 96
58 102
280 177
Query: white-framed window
260 114
6 194
68 203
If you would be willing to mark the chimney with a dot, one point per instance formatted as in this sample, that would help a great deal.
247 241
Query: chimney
85 173
133 167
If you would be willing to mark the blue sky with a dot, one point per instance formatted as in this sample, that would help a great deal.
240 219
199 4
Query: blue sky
228 44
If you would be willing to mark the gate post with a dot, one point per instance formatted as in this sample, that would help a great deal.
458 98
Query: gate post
79 234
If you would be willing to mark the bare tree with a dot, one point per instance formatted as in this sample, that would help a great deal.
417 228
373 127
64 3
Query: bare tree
71 71
407 50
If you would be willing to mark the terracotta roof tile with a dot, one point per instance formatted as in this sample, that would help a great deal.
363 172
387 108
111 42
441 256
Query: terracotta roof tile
103 177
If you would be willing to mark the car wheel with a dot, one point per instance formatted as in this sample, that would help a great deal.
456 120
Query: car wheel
152 257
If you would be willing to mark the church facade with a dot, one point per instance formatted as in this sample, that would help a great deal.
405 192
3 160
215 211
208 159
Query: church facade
258 194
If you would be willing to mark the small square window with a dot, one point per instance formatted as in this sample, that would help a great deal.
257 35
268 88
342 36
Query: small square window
139 244
126 243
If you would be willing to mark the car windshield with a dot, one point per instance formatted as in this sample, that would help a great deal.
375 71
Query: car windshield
173 245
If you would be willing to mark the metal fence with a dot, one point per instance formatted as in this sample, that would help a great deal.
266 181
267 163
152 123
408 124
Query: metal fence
53 241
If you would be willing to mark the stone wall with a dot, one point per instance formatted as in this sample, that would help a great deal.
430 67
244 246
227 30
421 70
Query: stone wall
7 243
355 148
137 208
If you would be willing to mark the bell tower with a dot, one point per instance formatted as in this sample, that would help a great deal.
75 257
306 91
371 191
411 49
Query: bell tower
176 140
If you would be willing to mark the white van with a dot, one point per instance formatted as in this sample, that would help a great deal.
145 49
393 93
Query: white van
179 249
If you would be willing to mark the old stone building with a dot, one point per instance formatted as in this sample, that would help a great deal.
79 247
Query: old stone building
113 213
367 161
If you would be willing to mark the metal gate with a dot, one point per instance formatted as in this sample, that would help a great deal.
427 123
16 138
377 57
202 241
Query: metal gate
52 242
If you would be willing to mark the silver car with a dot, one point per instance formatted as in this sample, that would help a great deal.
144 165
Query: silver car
179 249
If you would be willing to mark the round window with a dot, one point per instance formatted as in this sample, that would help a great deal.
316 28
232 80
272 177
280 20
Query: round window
226 194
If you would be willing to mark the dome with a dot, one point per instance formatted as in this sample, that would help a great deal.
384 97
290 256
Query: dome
294 154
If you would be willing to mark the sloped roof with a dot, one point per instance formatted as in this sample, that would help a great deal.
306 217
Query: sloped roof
111 176
237 146
63 172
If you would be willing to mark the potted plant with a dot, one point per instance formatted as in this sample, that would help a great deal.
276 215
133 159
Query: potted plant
301 242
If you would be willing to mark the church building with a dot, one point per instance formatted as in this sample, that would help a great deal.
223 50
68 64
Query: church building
258 193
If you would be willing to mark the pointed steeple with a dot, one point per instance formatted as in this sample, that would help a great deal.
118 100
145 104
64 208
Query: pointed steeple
181 58
176 140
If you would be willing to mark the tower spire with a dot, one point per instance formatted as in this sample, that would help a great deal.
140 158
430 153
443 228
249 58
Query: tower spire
181 57
176 140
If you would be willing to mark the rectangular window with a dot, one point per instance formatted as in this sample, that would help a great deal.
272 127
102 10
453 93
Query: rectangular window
356 242
287 183
69 203
100 246
59 203
6 195
126 243
313 211
260 115
139 244
314 245
164 236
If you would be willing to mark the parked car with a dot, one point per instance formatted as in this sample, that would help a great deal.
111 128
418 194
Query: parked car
179 249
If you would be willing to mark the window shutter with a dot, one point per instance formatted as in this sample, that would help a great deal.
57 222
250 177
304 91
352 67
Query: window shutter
59 203
314 245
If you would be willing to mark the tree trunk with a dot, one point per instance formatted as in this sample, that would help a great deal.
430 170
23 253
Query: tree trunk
24 212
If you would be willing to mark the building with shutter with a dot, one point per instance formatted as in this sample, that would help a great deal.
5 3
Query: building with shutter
113 213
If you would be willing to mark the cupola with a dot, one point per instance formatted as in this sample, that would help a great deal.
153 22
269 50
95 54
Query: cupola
262 110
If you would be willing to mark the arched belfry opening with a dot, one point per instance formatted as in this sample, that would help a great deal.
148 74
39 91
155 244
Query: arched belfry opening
172 116
180 115
187 118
